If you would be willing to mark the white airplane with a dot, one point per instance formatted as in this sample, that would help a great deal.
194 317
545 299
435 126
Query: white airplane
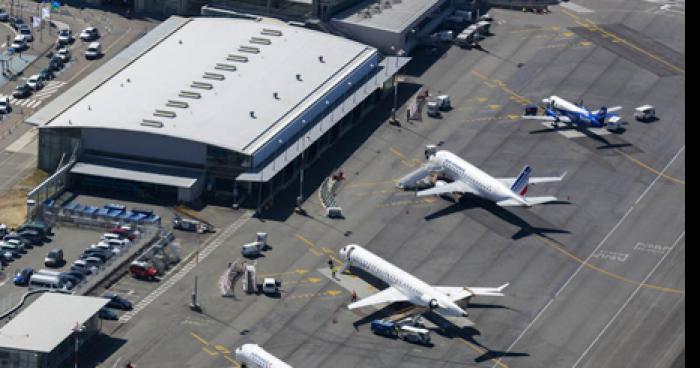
404 287
558 110
467 178
252 355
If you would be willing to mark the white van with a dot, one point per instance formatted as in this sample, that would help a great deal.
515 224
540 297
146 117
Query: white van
46 282
93 51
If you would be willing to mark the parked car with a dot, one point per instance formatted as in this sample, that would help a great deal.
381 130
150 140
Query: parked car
35 82
5 105
143 270
22 276
7 255
100 253
54 258
19 43
15 22
33 237
63 54
80 275
40 226
81 265
117 302
65 36
69 278
123 233
19 243
93 51
55 63
25 31
106 313
102 245
22 90
4 16
89 34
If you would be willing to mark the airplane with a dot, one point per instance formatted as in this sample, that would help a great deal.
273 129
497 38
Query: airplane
404 287
252 355
558 110
467 178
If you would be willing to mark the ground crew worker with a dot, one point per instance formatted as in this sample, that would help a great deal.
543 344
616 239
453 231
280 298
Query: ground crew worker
354 296
330 263
334 269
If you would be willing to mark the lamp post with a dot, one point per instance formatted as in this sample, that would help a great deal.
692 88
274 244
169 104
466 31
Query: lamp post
77 330
301 168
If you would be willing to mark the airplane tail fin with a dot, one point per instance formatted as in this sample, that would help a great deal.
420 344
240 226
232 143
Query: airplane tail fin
602 114
520 184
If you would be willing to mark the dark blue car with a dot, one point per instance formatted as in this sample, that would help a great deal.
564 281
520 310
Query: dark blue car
23 275
106 313
117 302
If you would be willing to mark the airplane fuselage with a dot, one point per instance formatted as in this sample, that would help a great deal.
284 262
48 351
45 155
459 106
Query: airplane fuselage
577 114
486 186
419 292
252 355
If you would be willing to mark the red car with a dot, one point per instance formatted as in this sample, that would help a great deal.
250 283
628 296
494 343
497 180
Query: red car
143 270
124 233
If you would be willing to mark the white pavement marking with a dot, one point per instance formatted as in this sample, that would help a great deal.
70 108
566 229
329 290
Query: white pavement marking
575 7
527 328
639 287
187 268
22 141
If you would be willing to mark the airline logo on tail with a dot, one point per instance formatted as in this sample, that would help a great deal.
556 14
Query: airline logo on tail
520 184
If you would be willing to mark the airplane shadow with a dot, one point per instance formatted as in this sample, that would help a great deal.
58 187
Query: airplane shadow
469 201
598 138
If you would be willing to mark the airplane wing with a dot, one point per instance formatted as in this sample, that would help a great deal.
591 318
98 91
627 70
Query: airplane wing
530 200
533 180
455 186
610 109
562 118
457 293
388 295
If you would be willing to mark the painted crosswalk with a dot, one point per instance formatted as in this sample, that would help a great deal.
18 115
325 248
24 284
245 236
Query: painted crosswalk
39 96
172 280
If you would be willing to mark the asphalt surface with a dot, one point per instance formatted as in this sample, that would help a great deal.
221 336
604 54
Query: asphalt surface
597 282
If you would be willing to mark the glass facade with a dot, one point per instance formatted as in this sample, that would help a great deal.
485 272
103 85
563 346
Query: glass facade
55 143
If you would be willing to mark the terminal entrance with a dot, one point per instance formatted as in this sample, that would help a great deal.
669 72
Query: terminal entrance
125 189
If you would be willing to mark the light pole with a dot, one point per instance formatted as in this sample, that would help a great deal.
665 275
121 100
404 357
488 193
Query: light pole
77 329
301 168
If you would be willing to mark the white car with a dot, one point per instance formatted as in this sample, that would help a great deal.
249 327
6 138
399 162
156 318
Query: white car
4 108
19 43
65 36
35 82
89 34
64 54
93 51
26 32
102 245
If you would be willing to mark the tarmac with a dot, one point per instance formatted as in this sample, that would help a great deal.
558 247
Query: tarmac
595 281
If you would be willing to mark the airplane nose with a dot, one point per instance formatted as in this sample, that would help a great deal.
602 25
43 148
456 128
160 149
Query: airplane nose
465 314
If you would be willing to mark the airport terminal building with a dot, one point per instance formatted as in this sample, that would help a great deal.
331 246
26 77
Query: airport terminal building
211 105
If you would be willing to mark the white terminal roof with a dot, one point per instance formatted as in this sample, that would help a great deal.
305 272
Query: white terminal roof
396 17
48 321
170 63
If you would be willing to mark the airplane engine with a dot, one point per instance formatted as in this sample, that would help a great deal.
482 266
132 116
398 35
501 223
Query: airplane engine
429 302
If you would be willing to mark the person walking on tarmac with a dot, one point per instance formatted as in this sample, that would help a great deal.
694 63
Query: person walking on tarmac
330 263
334 269
353 298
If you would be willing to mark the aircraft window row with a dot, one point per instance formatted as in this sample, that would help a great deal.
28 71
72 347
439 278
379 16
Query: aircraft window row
392 279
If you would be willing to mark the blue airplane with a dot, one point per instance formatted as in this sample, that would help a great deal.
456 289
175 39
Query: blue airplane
558 110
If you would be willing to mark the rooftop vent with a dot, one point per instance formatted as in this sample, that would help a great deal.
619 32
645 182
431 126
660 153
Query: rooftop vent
271 32
249 49
178 104
276 95
299 77
164 113
239 58
320 58
226 67
202 85
152 123
260 40
190 94
252 114
214 76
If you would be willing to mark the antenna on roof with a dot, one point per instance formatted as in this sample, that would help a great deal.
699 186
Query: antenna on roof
320 58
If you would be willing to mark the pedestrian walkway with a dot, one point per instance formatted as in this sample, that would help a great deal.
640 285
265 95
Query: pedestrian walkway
39 96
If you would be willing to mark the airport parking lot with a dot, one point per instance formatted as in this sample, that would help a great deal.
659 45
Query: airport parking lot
583 290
